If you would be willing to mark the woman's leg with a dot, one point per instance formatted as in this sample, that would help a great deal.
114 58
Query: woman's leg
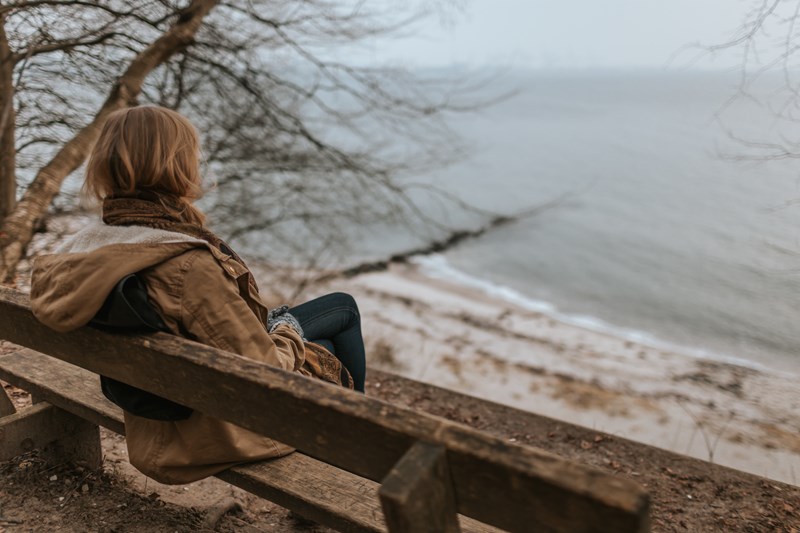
335 317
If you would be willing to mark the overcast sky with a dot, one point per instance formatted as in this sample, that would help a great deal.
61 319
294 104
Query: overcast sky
570 34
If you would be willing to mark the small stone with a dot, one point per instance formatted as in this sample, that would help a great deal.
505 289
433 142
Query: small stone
85 488
54 478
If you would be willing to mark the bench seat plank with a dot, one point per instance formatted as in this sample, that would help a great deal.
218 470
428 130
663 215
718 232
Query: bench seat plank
311 488
64 385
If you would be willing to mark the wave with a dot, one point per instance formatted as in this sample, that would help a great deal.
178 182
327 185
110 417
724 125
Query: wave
436 266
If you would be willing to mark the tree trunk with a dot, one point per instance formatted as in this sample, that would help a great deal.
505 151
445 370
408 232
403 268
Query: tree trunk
17 229
8 181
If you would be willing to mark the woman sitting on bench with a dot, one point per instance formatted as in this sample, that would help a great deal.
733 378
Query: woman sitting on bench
145 170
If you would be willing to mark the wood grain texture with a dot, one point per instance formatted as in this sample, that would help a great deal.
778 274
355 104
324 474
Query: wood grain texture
311 488
530 488
417 496
57 434
67 386
315 490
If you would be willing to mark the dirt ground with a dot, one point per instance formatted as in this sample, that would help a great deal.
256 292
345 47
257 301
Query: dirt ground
687 494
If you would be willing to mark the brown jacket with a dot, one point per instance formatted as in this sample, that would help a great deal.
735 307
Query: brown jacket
202 294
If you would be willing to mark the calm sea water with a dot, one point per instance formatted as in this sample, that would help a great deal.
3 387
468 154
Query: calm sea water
665 239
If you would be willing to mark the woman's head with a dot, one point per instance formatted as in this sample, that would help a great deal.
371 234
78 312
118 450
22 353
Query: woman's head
146 149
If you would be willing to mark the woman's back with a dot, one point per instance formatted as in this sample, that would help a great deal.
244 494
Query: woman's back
145 169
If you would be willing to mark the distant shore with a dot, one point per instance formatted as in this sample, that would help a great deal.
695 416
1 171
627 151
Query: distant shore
460 338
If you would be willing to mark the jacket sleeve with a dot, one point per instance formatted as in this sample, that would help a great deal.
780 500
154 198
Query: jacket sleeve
214 312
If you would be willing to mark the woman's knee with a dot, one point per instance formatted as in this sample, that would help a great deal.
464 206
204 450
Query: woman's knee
328 315
342 299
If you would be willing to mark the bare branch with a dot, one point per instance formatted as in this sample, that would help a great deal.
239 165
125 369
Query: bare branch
17 229
64 46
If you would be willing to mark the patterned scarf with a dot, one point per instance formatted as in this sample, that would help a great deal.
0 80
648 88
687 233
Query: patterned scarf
164 212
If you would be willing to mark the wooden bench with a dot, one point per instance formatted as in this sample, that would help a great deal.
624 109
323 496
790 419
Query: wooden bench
362 464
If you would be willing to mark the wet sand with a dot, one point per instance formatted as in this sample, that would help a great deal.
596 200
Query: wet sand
458 338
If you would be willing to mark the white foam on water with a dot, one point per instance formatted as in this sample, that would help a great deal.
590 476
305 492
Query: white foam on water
436 266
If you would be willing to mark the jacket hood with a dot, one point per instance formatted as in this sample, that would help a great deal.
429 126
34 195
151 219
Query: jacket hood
69 287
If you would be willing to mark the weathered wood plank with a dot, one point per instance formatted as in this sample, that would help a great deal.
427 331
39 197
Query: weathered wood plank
529 481
417 496
6 405
347 503
315 490
324 493
67 386
310 415
57 434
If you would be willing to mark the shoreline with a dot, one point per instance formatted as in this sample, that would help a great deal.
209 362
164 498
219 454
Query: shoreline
436 267
460 338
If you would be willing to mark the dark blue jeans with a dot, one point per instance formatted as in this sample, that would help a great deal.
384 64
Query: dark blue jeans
333 321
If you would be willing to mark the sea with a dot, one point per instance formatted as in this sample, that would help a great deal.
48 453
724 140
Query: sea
672 215
674 220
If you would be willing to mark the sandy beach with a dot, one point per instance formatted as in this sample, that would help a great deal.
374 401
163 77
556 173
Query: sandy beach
459 338
542 375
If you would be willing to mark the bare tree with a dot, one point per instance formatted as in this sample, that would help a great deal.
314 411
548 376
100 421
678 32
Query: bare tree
768 45
18 226
300 142
49 53
298 139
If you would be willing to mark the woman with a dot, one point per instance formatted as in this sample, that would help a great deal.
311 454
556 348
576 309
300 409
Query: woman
145 170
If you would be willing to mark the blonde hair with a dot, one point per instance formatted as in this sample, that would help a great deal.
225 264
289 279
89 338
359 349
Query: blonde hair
147 148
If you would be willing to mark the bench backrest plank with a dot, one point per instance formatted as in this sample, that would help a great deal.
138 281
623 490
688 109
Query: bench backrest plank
514 487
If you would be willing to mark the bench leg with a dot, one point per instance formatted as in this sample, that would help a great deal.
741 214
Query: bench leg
6 405
417 495
57 434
